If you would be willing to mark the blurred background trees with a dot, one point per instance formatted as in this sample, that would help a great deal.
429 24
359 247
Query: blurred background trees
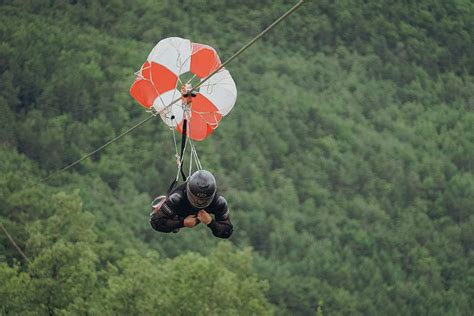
347 160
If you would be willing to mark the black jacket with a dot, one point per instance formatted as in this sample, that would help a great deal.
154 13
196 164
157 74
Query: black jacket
176 208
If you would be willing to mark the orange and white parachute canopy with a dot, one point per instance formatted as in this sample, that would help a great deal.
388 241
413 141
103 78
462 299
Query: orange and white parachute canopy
173 63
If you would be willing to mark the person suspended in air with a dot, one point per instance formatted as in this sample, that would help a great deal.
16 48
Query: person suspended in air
193 202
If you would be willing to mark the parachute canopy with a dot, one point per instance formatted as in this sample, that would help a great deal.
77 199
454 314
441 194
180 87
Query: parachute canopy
174 64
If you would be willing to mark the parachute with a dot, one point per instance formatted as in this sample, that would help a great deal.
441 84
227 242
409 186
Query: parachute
179 70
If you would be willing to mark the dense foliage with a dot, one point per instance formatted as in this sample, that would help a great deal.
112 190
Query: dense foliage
347 161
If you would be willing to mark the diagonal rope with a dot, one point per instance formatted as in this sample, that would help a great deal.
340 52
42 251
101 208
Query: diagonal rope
113 140
15 244
240 51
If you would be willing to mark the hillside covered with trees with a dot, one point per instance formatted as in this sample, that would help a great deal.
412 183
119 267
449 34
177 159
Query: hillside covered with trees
347 161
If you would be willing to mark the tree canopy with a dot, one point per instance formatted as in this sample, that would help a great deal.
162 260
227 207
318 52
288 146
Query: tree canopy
347 161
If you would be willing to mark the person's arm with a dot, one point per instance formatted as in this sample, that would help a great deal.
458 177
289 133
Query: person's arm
221 226
165 220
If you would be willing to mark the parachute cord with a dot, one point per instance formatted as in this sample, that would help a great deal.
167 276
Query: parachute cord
196 157
240 51
181 158
193 151
175 144
177 173
187 131
189 81
193 148
190 161
178 159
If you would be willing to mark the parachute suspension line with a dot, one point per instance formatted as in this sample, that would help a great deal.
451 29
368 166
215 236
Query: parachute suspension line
188 117
176 179
180 161
184 141
240 51
177 157
193 157
190 79
193 151
173 132
190 162
196 157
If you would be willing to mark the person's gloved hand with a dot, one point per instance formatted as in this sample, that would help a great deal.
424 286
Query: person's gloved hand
191 221
204 217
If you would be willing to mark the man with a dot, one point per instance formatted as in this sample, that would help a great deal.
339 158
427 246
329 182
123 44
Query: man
192 203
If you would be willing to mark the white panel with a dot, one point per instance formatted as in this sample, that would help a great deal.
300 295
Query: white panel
174 53
221 91
173 115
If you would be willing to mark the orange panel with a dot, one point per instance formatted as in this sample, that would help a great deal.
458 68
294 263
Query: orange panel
199 128
143 92
204 118
204 60
163 79
202 104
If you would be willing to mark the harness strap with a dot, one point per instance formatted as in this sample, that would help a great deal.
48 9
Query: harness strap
183 145
181 157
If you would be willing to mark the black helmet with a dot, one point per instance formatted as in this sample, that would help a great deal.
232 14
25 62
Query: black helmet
201 188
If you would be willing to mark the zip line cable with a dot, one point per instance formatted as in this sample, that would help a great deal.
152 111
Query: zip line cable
113 140
15 244
240 51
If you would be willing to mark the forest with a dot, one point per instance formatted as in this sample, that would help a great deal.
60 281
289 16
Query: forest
347 161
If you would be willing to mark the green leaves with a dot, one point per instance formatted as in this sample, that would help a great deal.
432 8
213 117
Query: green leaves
68 274
346 162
